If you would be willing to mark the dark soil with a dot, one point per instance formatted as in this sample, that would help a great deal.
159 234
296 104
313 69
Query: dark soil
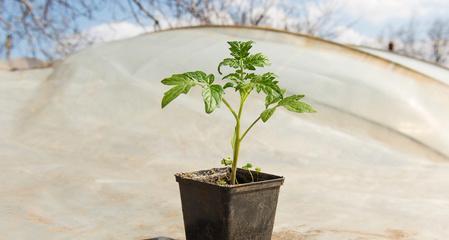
218 176
222 176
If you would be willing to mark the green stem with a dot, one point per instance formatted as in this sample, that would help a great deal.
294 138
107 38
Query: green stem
237 130
235 157
249 128
252 178
230 108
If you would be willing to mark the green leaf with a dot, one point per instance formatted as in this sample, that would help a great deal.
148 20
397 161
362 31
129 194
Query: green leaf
175 79
222 182
292 98
226 161
255 60
230 62
240 49
198 76
232 77
244 88
298 106
273 98
265 115
228 85
212 96
210 79
173 93
247 166
251 76
257 169
267 83
182 85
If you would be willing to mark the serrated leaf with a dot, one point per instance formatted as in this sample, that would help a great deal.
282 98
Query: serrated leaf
173 93
265 115
292 98
244 88
230 62
240 49
255 60
267 84
232 77
175 79
272 99
251 76
197 76
182 84
298 106
212 96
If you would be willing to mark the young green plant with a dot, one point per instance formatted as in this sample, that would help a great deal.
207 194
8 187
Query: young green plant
244 80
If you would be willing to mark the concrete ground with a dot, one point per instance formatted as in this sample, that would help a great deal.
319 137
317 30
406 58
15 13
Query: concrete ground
87 153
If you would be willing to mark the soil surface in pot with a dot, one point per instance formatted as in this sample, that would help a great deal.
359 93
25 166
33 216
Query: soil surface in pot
222 176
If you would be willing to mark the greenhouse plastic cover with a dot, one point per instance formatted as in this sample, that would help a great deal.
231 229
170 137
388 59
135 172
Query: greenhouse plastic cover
87 153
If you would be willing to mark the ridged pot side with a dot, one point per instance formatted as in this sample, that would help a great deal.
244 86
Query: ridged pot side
230 212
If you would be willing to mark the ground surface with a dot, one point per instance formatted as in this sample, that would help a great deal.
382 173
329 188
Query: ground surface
86 152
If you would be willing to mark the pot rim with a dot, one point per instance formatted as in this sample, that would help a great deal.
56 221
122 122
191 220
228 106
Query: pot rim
276 181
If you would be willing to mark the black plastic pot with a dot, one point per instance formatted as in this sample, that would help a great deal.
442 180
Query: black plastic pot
244 211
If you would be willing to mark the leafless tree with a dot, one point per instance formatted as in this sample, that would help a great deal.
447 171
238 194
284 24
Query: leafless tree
51 28
438 35
323 19
201 12
34 26
427 42
405 38
408 37
253 13
314 17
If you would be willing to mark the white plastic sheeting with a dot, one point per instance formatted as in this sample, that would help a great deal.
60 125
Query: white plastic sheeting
430 69
87 153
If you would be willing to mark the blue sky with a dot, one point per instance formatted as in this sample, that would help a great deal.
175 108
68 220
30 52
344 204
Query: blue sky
372 16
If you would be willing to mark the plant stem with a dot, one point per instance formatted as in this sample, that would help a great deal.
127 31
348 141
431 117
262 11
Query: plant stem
235 157
250 126
252 178
230 108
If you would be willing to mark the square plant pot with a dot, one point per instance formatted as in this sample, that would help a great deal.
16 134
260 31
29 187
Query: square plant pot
244 211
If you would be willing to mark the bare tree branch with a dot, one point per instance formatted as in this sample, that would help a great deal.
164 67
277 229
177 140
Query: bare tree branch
438 35
157 25
50 28
414 39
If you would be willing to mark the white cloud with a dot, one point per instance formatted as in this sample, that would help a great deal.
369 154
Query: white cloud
278 18
113 31
380 12
99 33
350 36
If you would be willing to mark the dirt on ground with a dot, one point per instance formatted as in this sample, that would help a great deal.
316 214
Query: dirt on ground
389 234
